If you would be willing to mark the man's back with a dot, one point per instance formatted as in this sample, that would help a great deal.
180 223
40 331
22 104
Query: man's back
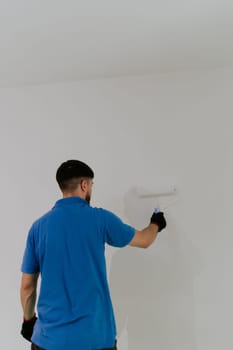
67 247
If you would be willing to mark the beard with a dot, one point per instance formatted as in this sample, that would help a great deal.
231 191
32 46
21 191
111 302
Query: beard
88 198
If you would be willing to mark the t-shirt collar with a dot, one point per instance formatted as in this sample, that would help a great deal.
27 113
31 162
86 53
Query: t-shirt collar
71 200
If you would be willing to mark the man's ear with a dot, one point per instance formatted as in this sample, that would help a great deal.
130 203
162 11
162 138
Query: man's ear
83 184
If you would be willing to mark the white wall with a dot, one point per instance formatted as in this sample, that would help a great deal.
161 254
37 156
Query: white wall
132 131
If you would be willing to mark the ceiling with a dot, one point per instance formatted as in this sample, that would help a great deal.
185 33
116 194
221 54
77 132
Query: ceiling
49 41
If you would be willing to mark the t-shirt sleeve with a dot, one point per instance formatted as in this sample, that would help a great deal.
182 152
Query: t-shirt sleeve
117 233
30 263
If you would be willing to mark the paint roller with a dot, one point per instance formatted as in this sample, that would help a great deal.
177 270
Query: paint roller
158 193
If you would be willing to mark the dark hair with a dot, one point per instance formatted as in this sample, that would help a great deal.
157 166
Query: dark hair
72 170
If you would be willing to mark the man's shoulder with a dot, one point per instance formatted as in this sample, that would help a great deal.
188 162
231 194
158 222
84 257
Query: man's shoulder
43 218
106 214
101 211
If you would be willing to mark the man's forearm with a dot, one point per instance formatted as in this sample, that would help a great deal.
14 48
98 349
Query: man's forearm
28 293
150 232
28 301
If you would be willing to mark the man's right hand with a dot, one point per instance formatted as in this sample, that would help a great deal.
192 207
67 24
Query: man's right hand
27 328
159 219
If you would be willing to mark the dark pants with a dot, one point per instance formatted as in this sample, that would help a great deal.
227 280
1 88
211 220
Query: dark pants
35 347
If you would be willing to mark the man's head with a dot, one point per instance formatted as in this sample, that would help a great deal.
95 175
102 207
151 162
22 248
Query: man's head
75 178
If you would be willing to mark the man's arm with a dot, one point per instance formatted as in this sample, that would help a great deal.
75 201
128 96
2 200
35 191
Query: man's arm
145 237
28 293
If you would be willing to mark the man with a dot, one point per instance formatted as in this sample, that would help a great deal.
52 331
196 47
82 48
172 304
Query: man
66 248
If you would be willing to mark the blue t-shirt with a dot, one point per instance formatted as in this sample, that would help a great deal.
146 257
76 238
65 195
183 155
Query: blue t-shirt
66 246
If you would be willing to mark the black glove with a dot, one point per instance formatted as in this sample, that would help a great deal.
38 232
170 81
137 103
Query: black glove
27 328
158 219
